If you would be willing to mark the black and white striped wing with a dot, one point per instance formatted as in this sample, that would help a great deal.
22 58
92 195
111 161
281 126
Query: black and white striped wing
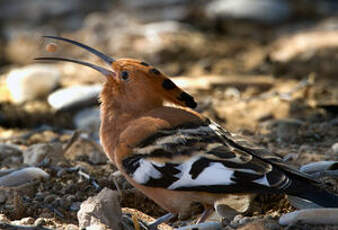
201 158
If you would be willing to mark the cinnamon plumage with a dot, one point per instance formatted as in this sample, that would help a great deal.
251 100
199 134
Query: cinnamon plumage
175 155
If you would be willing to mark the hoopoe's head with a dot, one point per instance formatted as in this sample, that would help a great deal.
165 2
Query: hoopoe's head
131 83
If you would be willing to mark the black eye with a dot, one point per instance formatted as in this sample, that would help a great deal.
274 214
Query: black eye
124 75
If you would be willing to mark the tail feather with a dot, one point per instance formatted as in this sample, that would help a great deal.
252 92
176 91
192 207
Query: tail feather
312 192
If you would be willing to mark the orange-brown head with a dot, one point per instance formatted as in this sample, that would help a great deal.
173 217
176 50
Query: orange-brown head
131 84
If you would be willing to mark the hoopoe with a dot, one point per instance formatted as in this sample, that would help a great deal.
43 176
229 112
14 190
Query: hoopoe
176 156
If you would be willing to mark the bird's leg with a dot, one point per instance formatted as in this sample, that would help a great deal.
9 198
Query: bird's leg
153 225
208 210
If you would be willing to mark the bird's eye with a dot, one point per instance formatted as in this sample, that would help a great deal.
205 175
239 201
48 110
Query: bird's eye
124 75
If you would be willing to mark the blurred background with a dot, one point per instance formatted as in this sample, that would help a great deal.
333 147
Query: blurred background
265 68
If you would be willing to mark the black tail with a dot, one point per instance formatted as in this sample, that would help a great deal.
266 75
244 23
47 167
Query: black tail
312 192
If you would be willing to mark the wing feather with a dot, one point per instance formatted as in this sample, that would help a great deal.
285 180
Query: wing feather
203 158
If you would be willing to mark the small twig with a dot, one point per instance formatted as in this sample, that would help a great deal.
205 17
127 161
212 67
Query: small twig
71 141
115 175
90 179
19 208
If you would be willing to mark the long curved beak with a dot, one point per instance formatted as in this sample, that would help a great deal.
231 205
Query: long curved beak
98 68
105 58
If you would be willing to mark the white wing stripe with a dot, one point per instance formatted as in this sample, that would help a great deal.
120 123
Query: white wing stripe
215 174
146 170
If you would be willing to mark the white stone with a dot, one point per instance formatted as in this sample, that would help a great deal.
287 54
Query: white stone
335 148
97 157
311 216
31 82
97 227
72 227
35 154
22 176
8 150
75 96
265 11
318 166
101 210
3 218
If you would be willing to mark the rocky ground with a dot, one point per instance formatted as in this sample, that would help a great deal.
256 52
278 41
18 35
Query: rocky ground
273 83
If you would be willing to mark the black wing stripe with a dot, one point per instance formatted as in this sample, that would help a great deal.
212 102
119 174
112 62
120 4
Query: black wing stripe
162 156
198 167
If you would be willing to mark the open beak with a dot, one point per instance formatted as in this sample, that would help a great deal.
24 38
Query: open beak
105 58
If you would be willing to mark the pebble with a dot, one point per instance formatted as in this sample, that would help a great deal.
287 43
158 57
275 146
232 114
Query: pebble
19 82
88 120
203 226
35 154
22 176
61 172
311 216
239 203
70 198
3 218
319 166
232 92
40 196
97 227
335 148
263 11
229 207
102 209
225 212
154 29
75 206
50 198
3 198
246 220
176 10
287 129
4 172
72 227
237 218
300 203
8 150
70 189
39 221
97 157
74 97
256 225
66 203
23 221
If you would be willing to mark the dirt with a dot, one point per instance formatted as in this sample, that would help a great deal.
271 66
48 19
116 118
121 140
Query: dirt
254 98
